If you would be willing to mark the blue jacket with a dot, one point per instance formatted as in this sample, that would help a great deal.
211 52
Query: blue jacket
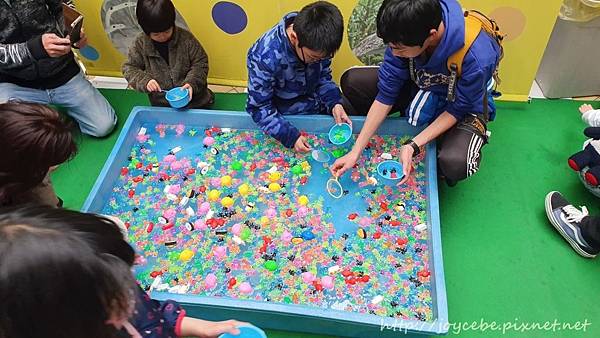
279 83
478 67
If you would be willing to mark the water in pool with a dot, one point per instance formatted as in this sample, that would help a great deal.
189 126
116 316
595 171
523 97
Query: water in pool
232 213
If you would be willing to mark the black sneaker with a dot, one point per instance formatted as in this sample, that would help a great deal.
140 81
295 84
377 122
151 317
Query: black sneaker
567 221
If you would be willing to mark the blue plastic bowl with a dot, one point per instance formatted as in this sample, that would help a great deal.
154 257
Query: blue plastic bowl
340 133
246 331
390 172
178 97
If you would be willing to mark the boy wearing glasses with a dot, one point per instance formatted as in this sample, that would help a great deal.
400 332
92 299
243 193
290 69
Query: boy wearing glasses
289 72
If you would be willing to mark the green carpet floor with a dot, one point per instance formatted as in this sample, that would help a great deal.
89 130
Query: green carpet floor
503 262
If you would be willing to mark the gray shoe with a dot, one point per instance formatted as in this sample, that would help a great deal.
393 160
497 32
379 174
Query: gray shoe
567 221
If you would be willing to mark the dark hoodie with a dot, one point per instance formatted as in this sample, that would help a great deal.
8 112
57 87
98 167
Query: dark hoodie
478 67
23 59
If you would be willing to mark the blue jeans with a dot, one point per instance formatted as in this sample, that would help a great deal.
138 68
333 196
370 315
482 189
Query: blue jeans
84 103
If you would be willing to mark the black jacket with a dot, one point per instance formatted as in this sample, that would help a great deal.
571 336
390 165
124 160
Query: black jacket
23 59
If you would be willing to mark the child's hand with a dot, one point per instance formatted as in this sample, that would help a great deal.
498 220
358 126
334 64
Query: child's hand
153 86
585 108
207 329
302 145
339 114
189 88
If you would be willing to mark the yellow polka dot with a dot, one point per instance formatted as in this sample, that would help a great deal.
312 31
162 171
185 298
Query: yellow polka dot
511 20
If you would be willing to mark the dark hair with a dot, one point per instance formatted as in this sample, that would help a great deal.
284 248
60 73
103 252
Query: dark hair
33 138
62 274
155 16
408 22
320 27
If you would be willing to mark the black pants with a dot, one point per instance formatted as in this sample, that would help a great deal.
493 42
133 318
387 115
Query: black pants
359 88
459 149
590 230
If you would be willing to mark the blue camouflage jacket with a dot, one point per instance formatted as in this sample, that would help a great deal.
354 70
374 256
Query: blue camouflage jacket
279 83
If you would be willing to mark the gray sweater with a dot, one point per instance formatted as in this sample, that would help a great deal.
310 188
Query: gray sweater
188 63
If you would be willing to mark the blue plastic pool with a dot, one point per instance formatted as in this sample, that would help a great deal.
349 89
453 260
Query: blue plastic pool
279 252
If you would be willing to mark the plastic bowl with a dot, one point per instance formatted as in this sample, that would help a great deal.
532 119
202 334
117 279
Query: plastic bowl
340 133
246 331
390 172
178 97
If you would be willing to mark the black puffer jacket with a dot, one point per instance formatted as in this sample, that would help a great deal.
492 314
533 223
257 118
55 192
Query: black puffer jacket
23 59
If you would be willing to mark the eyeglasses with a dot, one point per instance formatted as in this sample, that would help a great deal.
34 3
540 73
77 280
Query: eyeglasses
314 59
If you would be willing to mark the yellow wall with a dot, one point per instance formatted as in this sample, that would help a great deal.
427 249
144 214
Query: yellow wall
529 24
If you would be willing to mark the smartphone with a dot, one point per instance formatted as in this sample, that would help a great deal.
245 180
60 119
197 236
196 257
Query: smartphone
75 31
70 14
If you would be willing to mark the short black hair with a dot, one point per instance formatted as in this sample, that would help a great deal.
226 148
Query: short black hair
68 271
155 16
408 22
320 27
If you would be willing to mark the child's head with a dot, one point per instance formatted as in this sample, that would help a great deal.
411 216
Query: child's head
409 26
317 32
33 139
157 18
62 274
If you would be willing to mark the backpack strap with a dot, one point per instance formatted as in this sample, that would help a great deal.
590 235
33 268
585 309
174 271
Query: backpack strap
472 30
473 27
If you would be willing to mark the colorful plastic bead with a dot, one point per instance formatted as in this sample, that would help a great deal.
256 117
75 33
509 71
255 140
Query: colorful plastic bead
274 176
244 189
237 166
214 195
245 234
270 265
274 187
186 255
297 170
227 202
226 181
303 200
